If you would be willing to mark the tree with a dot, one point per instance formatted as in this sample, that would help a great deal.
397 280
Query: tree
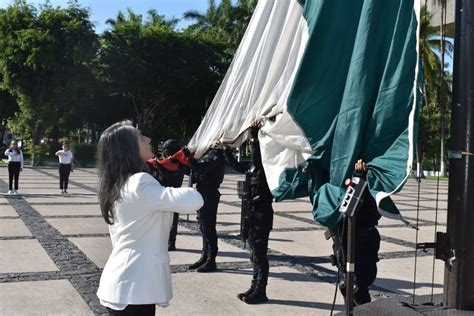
164 75
430 136
8 107
45 55
433 84
225 23
444 47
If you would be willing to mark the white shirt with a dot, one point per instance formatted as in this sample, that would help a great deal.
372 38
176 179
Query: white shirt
14 156
65 157
138 269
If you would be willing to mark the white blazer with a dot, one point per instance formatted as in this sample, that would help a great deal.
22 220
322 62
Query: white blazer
138 269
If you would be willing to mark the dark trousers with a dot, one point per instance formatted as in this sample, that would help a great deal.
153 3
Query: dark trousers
366 255
207 217
258 243
13 173
64 172
174 230
259 233
135 310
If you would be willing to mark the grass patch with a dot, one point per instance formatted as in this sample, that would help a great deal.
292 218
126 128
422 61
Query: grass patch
433 178
443 178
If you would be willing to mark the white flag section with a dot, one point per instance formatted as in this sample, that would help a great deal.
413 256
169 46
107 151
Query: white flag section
256 87
331 82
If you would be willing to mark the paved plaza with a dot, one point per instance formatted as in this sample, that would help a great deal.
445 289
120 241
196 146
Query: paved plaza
53 248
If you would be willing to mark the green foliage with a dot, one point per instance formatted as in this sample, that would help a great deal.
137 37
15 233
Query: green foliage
58 77
430 136
44 58
436 94
224 23
8 107
36 153
435 178
84 154
148 65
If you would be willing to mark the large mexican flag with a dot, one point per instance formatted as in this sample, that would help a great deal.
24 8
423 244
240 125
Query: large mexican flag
332 81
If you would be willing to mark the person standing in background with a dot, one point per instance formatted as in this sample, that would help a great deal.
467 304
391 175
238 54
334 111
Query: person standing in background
65 166
15 165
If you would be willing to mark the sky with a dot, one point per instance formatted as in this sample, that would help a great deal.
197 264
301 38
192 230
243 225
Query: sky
102 10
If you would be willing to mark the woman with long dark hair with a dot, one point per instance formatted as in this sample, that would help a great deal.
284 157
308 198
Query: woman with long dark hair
15 165
139 211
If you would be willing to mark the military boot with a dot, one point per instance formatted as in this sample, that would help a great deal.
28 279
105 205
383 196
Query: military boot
258 296
249 291
198 263
209 265
342 288
361 296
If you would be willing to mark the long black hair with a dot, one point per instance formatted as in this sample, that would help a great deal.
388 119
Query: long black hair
118 157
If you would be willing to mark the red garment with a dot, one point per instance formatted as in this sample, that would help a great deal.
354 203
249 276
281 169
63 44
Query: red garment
181 158
170 163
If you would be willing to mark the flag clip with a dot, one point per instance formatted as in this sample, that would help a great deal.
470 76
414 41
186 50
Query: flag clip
457 154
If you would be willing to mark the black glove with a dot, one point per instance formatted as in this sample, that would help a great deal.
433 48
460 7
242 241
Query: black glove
360 173
254 132
186 152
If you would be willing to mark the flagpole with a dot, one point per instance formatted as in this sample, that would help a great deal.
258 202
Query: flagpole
459 271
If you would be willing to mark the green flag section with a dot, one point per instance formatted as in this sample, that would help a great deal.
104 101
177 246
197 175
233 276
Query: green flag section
357 102
331 82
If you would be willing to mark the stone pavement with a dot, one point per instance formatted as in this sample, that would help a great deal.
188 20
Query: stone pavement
54 246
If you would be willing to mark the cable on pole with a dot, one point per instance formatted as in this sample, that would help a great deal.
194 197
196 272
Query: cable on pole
418 179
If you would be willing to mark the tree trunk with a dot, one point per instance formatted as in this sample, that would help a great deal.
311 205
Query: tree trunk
52 146
94 133
4 128
36 141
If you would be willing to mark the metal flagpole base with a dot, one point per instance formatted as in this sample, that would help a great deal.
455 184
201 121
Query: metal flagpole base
402 305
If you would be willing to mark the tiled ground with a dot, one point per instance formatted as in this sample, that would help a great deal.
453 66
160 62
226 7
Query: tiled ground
53 249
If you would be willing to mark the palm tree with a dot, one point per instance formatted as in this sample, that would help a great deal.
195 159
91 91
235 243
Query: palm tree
441 94
229 22
204 21
154 18
428 47
434 83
